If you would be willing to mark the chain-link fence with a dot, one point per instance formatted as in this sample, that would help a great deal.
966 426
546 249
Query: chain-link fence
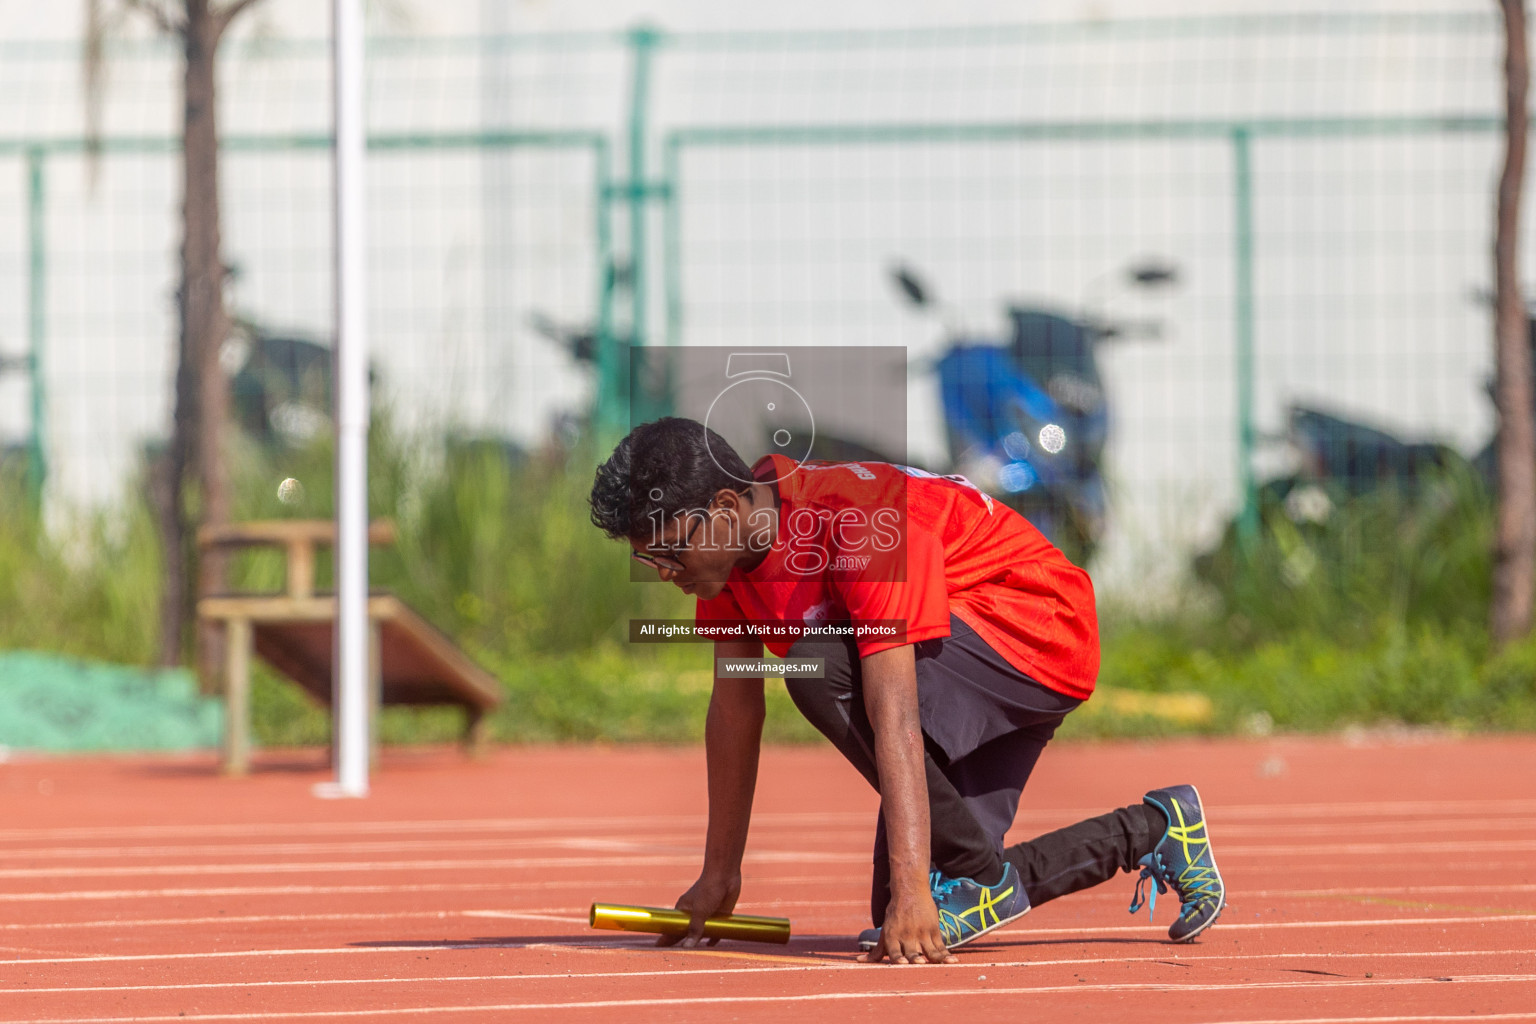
1308 197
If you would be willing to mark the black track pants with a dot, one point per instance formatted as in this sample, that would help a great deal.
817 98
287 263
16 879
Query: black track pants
984 727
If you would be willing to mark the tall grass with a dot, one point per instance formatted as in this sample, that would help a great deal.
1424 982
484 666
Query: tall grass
1364 610
1348 567
495 548
89 586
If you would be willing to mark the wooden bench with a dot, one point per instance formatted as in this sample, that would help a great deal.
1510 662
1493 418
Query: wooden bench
411 663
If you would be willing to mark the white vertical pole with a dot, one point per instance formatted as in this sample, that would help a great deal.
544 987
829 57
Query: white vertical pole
351 703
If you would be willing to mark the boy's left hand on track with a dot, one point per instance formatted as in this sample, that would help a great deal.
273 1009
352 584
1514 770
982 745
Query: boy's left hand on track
710 896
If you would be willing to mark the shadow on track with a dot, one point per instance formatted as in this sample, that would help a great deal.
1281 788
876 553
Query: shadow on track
822 947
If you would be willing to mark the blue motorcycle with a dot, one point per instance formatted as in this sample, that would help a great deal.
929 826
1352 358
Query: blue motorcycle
1027 419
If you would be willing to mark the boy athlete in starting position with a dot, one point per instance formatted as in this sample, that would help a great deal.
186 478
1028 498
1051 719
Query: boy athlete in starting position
968 638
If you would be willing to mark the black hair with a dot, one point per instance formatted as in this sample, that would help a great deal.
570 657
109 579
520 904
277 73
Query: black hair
671 466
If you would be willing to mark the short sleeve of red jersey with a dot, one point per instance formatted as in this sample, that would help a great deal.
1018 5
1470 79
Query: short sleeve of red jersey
912 596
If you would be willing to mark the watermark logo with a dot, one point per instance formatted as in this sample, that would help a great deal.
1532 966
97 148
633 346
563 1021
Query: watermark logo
839 410
760 388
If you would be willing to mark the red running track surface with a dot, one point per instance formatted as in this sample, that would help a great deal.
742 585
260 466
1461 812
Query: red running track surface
1379 879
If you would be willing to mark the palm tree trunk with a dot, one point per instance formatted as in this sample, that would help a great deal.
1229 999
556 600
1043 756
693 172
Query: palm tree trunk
204 322
1514 570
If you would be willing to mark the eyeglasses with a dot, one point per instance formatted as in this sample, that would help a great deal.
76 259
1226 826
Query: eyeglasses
662 561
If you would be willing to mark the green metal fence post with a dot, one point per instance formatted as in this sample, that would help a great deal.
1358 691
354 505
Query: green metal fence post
643 39
37 297
672 268
606 346
1242 169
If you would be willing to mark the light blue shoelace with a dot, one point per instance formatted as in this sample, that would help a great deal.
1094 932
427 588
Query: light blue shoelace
1146 894
1199 881
942 886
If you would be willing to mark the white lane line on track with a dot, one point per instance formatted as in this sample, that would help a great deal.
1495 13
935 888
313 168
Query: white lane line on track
814 997
788 967
758 879
1413 864
1228 852
558 826
1389 890
566 913
483 864
319 890
626 839
1512 823
284 890
1383 1020
527 915
1033 817
1223 925
1373 808
231 954
1086 933
1389 1020
689 841
1371 849
225 919
680 841
1369 893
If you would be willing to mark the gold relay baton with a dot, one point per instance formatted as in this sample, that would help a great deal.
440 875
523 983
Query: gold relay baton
664 921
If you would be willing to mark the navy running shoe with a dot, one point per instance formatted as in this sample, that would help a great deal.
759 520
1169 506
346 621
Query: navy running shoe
1182 860
968 909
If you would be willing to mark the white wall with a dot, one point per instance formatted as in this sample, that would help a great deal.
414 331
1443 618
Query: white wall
1366 250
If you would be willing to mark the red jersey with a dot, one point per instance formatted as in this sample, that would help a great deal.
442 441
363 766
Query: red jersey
861 542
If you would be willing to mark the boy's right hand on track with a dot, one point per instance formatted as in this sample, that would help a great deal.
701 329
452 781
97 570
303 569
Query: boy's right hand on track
711 896
911 934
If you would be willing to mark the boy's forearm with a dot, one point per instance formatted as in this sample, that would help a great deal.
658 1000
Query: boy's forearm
890 699
733 733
